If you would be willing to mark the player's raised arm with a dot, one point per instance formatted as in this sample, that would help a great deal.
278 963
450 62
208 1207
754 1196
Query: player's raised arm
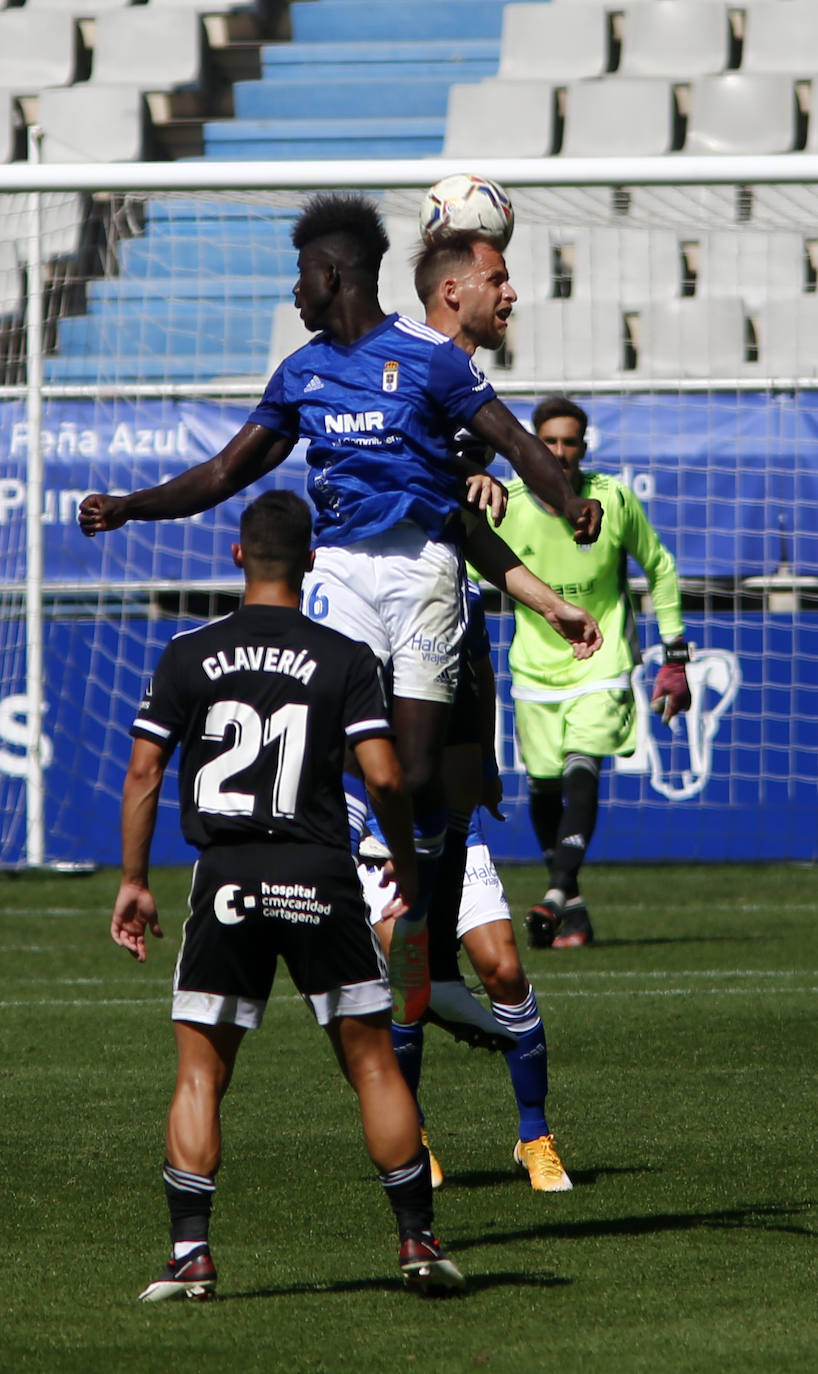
538 467
498 564
252 452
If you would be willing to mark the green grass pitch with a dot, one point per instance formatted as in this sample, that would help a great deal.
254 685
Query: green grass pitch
683 1096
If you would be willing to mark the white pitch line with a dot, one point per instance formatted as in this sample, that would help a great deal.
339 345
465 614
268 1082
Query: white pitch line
679 992
684 973
103 1002
29 911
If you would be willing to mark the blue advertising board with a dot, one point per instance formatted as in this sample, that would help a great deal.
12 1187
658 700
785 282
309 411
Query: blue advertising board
730 482
734 780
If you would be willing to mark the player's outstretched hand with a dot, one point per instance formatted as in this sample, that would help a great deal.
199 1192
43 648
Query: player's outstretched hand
134 910
402 896
577 626
485 493
586 518
98 513
671 692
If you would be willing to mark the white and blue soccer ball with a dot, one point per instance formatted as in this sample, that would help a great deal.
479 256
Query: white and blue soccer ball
467 204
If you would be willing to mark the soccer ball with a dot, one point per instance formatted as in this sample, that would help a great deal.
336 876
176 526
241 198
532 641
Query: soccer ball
466 204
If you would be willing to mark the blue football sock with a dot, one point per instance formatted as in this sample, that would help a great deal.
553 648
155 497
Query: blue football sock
527 1063
357 806
407 1042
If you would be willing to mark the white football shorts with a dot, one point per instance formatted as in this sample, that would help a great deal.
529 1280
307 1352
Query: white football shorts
404 596
483 899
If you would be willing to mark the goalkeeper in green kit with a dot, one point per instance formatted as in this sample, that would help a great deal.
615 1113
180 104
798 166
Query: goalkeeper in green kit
569 713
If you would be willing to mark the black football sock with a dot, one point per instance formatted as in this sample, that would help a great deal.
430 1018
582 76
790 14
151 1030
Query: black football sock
409 1190
444 902
190 1200
580 783
545 808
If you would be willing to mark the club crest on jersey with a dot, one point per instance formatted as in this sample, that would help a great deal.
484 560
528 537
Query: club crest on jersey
390 376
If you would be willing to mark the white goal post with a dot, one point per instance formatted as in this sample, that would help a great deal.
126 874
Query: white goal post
142 307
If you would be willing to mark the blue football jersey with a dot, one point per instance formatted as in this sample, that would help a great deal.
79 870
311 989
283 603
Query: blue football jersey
380 416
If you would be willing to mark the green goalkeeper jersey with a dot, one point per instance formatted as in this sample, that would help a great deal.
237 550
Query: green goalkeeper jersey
592 576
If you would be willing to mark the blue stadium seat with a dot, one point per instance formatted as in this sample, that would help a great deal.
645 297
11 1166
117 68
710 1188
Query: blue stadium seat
273 139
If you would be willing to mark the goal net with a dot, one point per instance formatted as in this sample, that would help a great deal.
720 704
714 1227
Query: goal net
683 317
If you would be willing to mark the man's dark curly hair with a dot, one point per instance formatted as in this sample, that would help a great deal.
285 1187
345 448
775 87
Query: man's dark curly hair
347 216
554 407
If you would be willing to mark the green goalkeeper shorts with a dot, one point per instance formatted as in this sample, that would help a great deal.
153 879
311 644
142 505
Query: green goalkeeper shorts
598 724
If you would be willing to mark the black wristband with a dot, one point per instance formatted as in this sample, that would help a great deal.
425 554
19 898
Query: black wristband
677 652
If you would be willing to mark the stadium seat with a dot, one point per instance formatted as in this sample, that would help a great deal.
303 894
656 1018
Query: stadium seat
87 123
80 9
618 118
682 207
554 42
152 50
11 285
606 263
61 216
675 39
396 282
780 37
36 49
549 342
9 119
740 114
787 336
690 338
493 117
752 265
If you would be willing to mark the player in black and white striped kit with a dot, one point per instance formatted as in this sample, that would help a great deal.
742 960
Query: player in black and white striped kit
262 704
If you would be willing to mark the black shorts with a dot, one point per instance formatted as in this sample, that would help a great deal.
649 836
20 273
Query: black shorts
250 903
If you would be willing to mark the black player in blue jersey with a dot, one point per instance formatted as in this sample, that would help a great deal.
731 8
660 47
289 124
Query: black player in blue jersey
262 704
379 398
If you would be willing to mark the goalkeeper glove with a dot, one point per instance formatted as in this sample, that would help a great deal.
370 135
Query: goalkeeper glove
671 693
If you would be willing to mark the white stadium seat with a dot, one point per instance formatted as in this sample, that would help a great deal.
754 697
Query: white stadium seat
497 118
618 118
8 124
675 39
80 9
60 218
787 335
740 114
11 284
554 42
396 279
780 37
36 49
288 333
690 338
151 49
621 265
749 264
555 340
87 123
